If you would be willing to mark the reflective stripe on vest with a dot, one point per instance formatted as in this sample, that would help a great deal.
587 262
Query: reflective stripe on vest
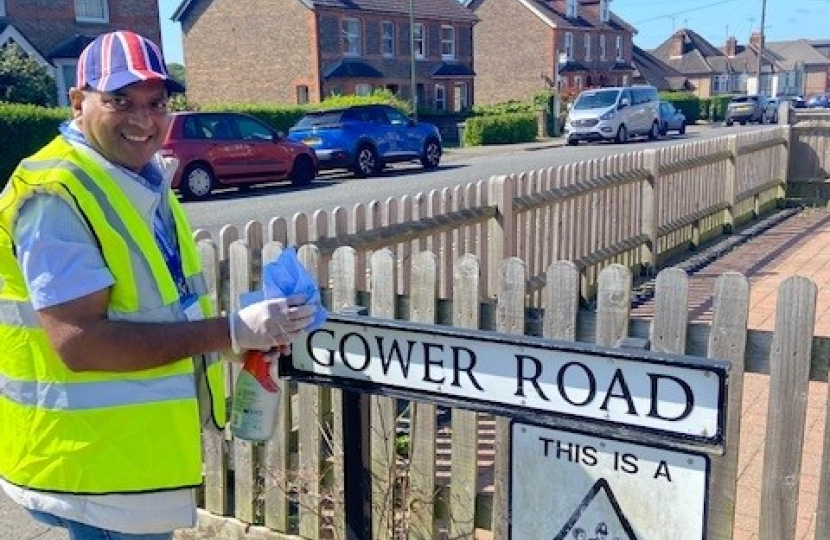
18 313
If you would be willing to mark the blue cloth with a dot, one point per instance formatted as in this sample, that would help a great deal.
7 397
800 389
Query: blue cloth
286 276
81 531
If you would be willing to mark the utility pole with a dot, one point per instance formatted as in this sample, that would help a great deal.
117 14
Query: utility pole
413 92
761 42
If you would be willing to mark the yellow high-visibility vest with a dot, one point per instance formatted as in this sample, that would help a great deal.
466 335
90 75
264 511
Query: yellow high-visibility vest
99 432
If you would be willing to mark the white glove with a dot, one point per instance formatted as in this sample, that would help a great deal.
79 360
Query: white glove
269 323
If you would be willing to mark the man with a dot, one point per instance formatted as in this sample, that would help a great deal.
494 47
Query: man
108 343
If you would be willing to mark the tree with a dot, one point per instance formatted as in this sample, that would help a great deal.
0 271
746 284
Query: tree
23 80
176 71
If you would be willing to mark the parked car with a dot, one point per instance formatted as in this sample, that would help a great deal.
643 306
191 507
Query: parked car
750 108
796 102
671 119
613 114
231 149
364 138
818 101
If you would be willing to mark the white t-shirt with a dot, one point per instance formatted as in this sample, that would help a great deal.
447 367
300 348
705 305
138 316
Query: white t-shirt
61 262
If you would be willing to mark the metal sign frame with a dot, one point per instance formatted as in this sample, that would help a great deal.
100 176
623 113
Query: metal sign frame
305 367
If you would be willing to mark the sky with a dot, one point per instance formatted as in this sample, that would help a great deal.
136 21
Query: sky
656 20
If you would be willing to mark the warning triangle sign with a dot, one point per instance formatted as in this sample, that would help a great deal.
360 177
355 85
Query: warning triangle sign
598 517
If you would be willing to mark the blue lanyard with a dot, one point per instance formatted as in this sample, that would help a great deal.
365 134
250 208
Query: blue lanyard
171 255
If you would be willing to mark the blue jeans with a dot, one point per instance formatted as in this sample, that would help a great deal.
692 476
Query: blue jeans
80 531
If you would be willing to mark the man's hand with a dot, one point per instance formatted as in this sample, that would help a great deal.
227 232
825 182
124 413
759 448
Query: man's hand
269 323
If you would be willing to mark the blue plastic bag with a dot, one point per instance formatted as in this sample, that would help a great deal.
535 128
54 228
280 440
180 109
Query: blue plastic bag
286 276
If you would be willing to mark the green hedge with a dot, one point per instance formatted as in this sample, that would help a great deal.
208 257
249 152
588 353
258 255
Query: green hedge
688 104
500 129
24 129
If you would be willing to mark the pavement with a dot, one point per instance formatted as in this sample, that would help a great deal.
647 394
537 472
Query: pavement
799 245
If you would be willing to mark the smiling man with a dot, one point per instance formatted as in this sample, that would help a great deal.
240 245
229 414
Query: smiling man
110 367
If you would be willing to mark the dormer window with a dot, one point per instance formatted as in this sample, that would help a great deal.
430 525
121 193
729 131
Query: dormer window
604 10
91 11
572 9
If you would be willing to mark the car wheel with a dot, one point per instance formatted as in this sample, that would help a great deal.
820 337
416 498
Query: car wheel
197 182
432 154
729 123
743 122
762 120
622 134
682 129
366 161
664 130
302 173
655 131
573 142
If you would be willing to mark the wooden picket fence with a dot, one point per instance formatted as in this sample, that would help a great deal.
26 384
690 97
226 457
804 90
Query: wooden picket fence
452 482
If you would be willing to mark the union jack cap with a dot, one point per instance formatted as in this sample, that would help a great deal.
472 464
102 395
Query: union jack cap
117 59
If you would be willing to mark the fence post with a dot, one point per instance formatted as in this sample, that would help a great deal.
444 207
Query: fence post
650 206
729 184
501 228
787 134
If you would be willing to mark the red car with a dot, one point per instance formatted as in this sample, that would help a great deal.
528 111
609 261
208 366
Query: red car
218 149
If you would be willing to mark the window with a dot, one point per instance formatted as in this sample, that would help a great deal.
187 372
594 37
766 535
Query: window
253 130
363 89
302 94
587 46
462 99
604 11
721 84
91 11
569 45
2 8
419 38
578 82
619 48
572 9
387 40
351 37
440 97
448 42
602 47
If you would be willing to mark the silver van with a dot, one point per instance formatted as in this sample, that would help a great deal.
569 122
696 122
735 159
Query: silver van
603 114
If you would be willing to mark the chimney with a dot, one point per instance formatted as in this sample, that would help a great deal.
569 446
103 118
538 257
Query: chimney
731 48
755 39
678 44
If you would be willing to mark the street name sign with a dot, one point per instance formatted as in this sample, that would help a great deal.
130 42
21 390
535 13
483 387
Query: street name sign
681 397
570 485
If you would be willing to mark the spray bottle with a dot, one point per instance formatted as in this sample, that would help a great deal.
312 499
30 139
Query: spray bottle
256 397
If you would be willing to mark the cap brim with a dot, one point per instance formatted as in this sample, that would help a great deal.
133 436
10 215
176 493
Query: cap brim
120 80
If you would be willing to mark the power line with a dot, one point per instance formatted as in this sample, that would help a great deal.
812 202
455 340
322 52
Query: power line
675 13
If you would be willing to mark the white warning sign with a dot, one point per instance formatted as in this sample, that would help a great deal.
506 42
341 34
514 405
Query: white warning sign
567 485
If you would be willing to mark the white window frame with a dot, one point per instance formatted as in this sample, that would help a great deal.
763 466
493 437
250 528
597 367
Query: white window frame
619 47
440 97
419 38
604 11
387 39
96 11
350 31
447 42
578 82
363 89
587 46
602 47
462 96
572 10
720 84
569 45
303 94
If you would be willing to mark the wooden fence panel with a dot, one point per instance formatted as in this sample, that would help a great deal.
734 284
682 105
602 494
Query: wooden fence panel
464 467
727 340
423 495
789 375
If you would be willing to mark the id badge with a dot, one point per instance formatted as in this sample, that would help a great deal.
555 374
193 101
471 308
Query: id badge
192 309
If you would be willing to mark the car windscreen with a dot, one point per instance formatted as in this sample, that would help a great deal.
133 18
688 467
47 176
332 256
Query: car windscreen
598 99
743 99
319 119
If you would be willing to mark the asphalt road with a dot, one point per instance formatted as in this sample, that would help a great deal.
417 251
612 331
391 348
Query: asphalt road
459 166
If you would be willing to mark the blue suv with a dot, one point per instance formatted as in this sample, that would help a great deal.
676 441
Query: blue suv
364 138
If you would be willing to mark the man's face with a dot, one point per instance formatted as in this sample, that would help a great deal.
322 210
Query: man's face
126 126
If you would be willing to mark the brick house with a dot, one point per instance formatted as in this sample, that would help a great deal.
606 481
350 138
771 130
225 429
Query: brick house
808 70
538 45
247 51
55 41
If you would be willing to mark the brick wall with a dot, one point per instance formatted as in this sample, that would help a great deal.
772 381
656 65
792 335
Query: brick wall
250 51
513 53
48 23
